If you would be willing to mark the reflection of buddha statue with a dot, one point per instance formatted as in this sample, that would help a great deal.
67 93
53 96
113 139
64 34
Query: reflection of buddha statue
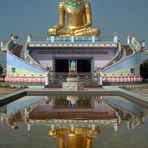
80 137
79 20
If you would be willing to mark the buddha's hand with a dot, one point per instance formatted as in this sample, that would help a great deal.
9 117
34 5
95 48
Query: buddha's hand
56 27
75 29
72 31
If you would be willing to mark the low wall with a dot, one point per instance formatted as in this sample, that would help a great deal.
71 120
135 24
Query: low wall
41 80
122 79
28 80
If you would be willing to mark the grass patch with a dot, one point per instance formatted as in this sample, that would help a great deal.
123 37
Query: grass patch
134 88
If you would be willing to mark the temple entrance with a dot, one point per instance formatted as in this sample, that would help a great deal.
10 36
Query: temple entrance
72 67
61 65
83 66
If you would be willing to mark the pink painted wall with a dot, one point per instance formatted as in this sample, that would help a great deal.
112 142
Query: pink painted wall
99 60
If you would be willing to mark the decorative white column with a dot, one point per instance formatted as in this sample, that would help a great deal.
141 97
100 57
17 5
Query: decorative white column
93 38
52 127
47 76
52 38
128 40
29 37
128 125
93 127
2 117
143 44
72 38
100 79
116 128
2 46
72 128
29 128
115 38
143 120
133 39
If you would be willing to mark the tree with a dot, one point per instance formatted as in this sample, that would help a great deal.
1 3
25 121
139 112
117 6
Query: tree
1 70
144 69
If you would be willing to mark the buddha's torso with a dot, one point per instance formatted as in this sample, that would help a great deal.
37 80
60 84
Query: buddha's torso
75 18
78 20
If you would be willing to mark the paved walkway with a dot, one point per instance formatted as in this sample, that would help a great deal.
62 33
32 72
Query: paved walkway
5 91
143 92
18 85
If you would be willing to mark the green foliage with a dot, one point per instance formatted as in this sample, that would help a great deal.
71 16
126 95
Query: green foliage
144 69
1 70
23 86
124 87
4 86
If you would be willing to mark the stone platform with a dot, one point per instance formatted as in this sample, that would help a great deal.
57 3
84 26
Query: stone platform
73 84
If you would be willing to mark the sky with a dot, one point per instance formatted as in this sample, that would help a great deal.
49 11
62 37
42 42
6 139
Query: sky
36 16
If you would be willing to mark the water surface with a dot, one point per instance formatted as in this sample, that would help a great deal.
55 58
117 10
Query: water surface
105 121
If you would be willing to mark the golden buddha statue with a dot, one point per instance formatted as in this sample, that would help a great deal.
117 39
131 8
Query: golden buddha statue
79 20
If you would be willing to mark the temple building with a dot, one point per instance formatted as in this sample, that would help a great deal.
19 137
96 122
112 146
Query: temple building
73 46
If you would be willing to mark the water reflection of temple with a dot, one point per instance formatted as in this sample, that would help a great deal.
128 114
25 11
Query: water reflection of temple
132 119
74 126
133 114
87 111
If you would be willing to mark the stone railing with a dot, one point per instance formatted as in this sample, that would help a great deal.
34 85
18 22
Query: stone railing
71 40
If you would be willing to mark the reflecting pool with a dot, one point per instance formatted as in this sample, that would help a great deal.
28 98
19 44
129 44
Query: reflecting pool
73 122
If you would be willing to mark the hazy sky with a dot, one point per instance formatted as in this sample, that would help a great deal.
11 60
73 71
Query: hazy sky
121 16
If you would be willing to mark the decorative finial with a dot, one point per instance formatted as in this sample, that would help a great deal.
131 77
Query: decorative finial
2 46
133 35
115 38
29 35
